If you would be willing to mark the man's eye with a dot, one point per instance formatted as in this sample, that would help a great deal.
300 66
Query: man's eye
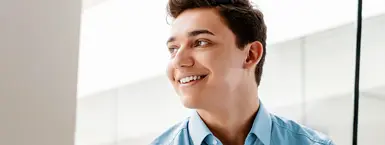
201 43
172 49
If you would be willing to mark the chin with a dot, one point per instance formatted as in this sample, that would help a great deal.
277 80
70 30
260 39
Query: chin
191 102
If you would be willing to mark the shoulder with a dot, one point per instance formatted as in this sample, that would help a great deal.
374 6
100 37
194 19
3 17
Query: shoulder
173 133
290 131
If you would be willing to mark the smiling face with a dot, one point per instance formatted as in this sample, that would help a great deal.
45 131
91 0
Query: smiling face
205 66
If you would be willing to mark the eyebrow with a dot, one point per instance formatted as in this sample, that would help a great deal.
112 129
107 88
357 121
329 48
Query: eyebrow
193 34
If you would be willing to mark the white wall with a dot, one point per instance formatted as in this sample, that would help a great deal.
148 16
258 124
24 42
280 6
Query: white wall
38 71
323 72
128 112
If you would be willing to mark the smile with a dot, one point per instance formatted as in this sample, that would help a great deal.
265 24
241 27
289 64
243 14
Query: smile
191 79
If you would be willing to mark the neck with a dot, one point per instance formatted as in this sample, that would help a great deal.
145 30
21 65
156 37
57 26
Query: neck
231 122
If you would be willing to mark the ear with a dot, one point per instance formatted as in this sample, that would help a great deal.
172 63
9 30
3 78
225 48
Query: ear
254 53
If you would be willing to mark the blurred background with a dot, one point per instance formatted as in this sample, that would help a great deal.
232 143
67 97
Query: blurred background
308 74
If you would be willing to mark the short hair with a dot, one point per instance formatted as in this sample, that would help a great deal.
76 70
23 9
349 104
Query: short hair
245 21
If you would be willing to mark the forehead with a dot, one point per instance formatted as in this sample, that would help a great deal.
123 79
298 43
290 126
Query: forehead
199 18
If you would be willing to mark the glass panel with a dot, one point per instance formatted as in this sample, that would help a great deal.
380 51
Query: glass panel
372 79
329 75
309 77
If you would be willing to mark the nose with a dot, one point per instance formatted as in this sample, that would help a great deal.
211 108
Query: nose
183 58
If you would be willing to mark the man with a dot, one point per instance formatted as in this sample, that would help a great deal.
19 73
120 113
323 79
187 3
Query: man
217 51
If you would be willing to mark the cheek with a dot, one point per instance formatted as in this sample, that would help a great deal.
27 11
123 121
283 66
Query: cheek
226 69
217 68
170 71
217 62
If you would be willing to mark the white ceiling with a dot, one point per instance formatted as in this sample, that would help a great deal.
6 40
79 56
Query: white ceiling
123 41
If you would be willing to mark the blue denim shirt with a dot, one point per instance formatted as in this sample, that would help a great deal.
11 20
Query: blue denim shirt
267 129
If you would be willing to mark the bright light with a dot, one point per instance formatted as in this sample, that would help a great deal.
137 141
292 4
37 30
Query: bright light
123 41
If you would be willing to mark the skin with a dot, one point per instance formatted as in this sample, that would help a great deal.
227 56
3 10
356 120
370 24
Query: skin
226 98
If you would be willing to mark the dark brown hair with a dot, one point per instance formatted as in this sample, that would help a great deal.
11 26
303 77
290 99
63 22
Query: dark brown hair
243 20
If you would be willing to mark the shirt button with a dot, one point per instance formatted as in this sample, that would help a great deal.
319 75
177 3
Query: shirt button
215 142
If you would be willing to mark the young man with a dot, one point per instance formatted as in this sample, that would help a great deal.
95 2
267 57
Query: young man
217 53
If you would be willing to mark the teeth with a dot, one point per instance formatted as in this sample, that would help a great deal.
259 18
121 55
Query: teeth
189 79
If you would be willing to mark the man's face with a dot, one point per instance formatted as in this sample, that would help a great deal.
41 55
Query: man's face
205 65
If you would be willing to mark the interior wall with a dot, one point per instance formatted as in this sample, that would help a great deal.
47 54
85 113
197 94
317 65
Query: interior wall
39 43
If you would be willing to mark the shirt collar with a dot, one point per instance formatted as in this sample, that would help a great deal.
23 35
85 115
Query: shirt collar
261 127
197 129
